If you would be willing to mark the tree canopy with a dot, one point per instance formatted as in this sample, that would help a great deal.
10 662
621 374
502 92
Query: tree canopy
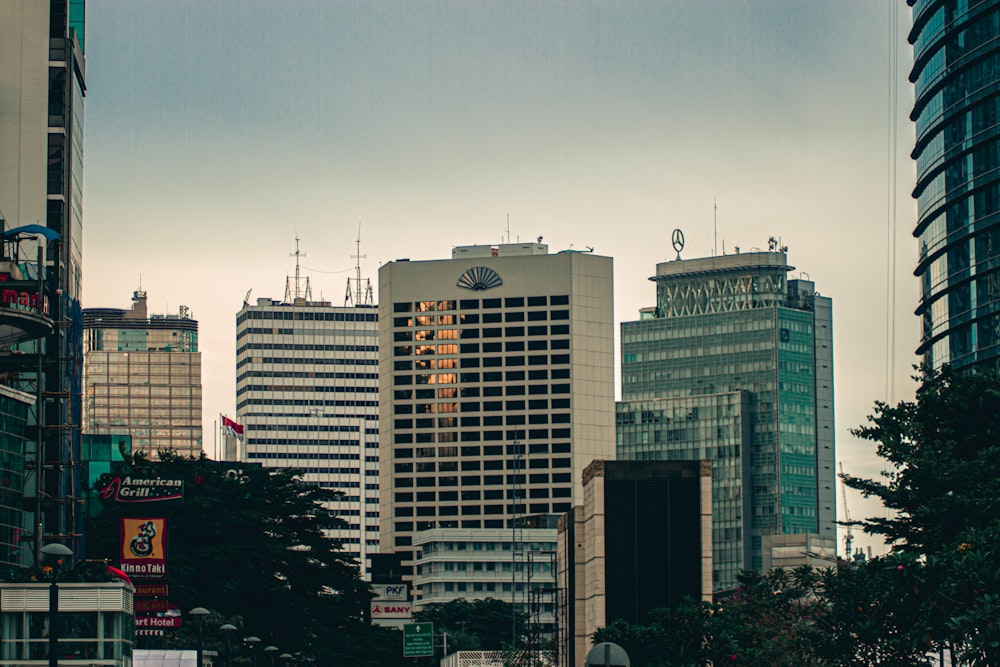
253 550
474 625
943 452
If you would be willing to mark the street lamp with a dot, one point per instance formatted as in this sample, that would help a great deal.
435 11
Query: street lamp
286 657
227 629
252 643
271 650
200 613
57 551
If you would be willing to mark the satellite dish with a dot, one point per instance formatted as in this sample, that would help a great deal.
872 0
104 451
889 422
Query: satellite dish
607 654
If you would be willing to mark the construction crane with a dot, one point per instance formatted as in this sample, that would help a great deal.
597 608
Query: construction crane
849 537
246 299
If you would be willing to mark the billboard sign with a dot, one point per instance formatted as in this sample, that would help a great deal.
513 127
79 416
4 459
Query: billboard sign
418 640
144 548
137 489
385 592
383 610
157 621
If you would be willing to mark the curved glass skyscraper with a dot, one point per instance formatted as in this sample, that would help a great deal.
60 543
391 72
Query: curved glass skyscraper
956 73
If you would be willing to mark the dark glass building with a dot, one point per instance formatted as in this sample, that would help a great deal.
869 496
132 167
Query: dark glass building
956 73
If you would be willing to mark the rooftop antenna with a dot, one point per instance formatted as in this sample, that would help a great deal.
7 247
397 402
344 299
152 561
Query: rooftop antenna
715 227
362 292
508 228
298 292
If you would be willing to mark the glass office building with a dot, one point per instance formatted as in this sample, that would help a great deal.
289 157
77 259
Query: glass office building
956 74
734 364
142 378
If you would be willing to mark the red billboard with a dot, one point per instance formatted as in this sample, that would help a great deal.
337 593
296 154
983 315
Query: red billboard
144 548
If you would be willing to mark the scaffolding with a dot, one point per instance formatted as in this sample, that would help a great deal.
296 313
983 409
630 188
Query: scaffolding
47 367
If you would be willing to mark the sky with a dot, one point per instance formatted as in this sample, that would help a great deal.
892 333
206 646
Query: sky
218 132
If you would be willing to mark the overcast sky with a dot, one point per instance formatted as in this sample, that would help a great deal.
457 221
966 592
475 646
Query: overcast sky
218 131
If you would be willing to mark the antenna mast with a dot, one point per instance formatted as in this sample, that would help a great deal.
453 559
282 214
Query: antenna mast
715 227
293 295
362 292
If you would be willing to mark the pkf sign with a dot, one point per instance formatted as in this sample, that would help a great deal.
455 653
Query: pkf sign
385 592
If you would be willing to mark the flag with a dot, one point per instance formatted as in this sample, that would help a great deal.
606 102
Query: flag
232 427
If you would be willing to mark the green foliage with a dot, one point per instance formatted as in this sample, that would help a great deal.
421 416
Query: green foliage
944 450
474 625
253 551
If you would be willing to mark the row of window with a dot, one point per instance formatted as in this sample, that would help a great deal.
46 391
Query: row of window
489 376
474 304
309 315
474 392
305 346
311 375
471 480
308 361
465 320
495 436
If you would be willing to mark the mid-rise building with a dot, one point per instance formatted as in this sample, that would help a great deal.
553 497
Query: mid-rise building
43 70
142 378
735 364
497 387
640 541
956 74
518 567
307 398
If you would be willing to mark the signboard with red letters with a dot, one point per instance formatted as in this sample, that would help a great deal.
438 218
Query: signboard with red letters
390 609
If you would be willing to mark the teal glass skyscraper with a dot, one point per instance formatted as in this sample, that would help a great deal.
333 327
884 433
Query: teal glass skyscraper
956 74
735 364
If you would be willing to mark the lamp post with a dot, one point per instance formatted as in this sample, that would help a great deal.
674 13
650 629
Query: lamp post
57 551
286 658
271 650
227 629
252 643
200 613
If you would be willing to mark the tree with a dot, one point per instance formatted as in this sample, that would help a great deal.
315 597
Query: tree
943 488
473 625
944 453
253 548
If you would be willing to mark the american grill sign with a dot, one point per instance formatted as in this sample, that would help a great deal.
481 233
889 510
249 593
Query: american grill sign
136 489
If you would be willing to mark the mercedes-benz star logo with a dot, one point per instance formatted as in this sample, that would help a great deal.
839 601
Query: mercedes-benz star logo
677 238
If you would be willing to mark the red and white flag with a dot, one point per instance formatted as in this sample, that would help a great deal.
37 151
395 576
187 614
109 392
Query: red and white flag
232 427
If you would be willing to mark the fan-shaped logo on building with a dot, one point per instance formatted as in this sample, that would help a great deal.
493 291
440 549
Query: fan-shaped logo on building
479 278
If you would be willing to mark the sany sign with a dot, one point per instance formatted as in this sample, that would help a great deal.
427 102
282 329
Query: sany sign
390 610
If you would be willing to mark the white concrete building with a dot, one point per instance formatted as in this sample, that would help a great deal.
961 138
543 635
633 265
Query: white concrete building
306 395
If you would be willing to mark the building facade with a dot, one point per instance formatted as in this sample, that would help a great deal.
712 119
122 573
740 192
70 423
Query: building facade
307 398
498 387
735 365
452 563
641 540
97 624
142 378
956 74
43 70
